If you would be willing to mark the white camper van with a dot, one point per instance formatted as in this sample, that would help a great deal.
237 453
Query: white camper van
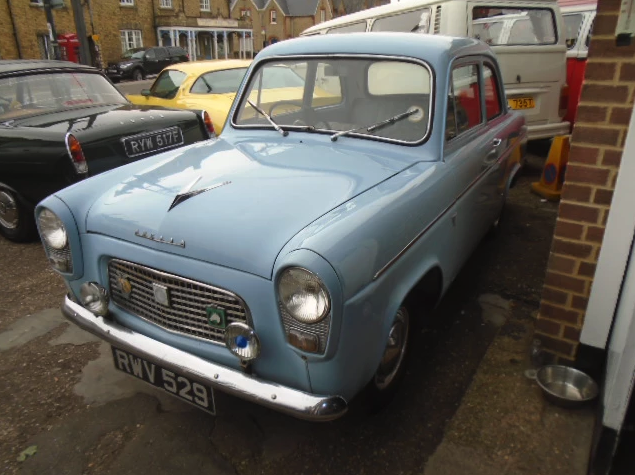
526 36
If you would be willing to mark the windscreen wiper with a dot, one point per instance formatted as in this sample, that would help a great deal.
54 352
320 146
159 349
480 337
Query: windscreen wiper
271 121
376 126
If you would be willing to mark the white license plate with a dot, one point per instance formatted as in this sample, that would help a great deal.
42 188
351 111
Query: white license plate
195 393
143 144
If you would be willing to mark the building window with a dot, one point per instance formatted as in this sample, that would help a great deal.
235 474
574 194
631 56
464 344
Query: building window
205 7
37 2
127 2
273 17
322 15
130 39
245 13
165 3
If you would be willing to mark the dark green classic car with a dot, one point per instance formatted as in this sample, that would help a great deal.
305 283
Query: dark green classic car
61 122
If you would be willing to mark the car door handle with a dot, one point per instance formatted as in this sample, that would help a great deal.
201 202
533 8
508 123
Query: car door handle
496 142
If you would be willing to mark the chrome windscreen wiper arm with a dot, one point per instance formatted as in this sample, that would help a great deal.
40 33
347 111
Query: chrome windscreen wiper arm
271 121
376 126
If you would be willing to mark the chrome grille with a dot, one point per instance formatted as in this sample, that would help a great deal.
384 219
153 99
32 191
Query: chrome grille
321 329
186 313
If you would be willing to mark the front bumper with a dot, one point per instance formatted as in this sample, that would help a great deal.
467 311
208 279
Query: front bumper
547 131
281 398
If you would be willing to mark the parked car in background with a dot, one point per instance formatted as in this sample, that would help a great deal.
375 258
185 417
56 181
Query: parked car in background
206 85
137 63
61 122
526 36
279 262
578 22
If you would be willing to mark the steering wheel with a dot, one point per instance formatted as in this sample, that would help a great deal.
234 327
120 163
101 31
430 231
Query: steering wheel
307 113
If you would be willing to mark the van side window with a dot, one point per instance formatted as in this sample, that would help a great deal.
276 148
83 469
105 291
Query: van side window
514 26
359 27
417 21
464 101
492 93
572 25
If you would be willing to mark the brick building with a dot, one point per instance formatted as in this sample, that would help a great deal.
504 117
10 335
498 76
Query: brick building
597 144
346 7
206 28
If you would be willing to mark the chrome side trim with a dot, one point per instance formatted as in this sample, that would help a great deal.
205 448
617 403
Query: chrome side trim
291 401
440 215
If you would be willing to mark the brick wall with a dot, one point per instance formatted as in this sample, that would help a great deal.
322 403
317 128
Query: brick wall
596 150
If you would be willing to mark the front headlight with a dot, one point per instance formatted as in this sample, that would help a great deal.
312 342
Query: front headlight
125 65
52 230
303 295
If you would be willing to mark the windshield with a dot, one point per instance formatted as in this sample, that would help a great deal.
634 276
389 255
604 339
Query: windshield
167 84
219 82
332 95
36 93
136 53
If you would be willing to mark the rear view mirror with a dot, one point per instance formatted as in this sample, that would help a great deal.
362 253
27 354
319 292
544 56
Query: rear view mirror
145 92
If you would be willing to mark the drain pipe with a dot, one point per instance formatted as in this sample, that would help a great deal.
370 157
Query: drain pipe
15 31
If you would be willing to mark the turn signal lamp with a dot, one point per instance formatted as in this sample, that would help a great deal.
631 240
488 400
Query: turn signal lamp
208 124
77 155
304 341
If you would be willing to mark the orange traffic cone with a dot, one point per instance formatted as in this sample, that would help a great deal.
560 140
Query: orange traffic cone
550 184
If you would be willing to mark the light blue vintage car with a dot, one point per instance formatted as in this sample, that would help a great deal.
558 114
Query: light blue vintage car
277 262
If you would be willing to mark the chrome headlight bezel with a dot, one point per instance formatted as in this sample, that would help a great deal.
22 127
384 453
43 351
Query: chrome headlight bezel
52 229
298 283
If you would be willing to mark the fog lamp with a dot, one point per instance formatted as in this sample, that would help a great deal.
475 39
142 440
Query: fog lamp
242 341
94 297
304 341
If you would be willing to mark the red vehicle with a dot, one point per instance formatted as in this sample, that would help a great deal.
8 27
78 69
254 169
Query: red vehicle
578 20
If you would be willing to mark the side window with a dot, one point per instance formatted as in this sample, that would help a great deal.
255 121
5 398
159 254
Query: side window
527 26
464 101
161 53
492 93
417 21
150 55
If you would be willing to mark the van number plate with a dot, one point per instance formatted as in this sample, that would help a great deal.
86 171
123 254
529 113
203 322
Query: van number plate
521 103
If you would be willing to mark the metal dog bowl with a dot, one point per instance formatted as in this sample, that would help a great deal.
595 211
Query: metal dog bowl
565 386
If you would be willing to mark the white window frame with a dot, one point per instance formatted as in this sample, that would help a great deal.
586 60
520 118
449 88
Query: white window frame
129 3
130 39
322 15
165 3
206 5
39 3
273 17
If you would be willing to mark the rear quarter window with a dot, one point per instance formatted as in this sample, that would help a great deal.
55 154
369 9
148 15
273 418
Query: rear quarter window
517 26
572 24
416 21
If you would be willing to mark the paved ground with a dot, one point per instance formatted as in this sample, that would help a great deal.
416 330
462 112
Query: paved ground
63 401
134 87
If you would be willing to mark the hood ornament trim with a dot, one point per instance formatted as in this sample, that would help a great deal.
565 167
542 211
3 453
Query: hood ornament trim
185 194
152 237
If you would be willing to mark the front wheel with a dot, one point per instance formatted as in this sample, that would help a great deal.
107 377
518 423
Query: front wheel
392 366
137 75
16 224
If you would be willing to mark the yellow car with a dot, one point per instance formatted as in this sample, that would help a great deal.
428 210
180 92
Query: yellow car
212 86
206 85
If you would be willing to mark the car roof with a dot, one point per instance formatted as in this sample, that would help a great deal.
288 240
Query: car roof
8 66
200 67
430 48
399 7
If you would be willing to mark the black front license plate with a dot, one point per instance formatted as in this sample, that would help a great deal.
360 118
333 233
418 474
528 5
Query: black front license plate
184 388
144 144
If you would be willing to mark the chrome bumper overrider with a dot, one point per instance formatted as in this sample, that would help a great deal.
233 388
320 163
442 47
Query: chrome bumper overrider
291 401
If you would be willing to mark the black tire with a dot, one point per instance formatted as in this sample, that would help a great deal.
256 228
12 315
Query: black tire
387 379
137 75
16 222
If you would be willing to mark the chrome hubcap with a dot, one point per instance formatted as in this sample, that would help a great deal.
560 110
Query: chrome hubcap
8 210
395 350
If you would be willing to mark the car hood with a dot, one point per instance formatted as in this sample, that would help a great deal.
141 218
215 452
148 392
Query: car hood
259 195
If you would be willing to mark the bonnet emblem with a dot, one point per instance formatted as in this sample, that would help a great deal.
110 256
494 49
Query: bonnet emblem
186 194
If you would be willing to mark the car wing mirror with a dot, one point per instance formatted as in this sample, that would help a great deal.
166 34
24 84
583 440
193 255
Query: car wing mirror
145 92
